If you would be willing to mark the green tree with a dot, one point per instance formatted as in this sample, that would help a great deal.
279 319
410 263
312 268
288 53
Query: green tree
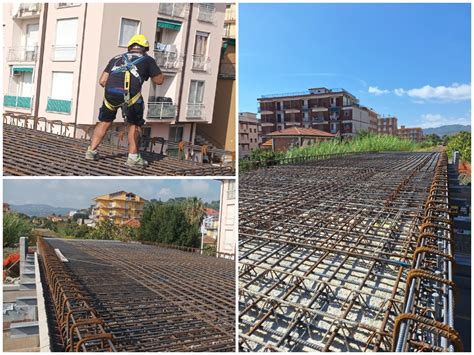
194 210
105 230
462 143
14 227
168 223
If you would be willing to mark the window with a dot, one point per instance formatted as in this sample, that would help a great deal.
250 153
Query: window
61 87
176 134
128 28
196 92
346 113
231 190
65 45
200 46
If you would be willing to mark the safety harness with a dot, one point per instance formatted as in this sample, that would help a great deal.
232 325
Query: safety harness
129 68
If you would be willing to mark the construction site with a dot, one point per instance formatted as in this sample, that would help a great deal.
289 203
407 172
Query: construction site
94 295
348 253
38 146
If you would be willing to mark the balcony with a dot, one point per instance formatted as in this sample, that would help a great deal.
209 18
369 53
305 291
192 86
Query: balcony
66 53
17 101
59 106
22 54
161 110
227 71
168 61
26 10
207 13
178 10
195 111
229 16
319 109
201 62
61 5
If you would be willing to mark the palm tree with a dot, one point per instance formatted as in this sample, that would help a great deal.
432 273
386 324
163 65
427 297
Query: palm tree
194 210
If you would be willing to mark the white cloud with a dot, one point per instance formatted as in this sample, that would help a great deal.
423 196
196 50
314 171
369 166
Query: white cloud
399 92
435 120
164 193
376 91
455 92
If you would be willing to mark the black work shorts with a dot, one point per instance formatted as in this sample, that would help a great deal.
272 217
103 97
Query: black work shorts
134 112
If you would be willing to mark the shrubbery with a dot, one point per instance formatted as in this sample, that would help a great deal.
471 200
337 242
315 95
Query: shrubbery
462 143
14 227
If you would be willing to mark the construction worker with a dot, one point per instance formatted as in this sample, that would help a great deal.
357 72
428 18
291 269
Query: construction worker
123 79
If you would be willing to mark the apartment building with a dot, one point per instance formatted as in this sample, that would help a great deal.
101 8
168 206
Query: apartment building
329 110
118 207
387 125
227 238
56 52
221 132
415 134
249 133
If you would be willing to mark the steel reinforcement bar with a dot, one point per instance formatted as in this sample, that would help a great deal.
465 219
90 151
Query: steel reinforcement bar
329 252
31 152
155 299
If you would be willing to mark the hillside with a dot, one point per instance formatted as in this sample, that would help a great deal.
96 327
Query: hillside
447 130
41 210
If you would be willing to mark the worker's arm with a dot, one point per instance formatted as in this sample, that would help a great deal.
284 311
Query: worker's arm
103 79
158 79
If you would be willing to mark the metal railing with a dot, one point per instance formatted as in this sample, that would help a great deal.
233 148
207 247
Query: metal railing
168 60
174 9
17 101
59 106
201 62
22 54
207 13
64 53
161 110
26 10
195 111
61 5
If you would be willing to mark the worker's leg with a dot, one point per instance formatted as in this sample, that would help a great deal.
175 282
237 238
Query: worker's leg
106 118
135 121
99 133
133 137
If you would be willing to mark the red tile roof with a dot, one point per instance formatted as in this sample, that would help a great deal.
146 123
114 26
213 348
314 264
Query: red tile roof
211 212
134 223
301 131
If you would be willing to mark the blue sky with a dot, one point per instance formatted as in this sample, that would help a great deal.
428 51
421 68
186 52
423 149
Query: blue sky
408 60
78 193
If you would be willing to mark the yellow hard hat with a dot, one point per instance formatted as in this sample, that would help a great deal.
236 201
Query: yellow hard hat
140 40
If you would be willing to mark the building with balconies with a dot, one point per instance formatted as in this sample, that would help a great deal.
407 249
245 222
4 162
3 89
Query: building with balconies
329 110
221 132
415 133
55 53
227 238
387 125
118 207
249 133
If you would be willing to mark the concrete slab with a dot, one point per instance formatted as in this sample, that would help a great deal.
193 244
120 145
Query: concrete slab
20 330
27 301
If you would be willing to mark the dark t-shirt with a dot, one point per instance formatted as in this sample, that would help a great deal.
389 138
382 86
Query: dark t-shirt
146 68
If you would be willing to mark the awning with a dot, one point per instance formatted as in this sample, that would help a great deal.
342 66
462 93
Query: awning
176 26
22 69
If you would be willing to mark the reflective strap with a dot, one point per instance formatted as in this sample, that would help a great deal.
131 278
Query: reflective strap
115 107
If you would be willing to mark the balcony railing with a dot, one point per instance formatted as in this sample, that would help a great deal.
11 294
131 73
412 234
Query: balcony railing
64 53
61 5
195 111
59 106
201 62
207 13
161 110
22 54
26 10
227 71
174 9
168 60
17 101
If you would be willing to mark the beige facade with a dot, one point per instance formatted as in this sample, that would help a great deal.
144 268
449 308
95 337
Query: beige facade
56 69
249 133
221 132
227 239
415 133
118 207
